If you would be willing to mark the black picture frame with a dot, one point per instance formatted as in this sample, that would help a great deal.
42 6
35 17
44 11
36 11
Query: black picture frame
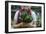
6 16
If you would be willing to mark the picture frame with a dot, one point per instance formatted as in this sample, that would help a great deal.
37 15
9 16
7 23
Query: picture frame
8 28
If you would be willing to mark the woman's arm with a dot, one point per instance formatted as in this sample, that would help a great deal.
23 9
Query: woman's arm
34 16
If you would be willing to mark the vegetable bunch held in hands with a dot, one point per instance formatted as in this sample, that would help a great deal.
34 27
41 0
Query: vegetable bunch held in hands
26 17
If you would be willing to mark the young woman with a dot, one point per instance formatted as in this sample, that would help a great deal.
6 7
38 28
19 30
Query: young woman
17 22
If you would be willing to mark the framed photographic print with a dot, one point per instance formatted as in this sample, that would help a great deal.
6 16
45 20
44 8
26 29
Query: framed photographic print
24 16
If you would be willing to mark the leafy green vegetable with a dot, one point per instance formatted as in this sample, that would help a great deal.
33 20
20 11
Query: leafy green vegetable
26 17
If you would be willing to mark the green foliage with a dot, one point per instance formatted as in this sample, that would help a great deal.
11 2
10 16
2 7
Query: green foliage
26 17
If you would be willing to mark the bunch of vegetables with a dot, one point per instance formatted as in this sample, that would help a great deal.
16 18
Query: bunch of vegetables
26 17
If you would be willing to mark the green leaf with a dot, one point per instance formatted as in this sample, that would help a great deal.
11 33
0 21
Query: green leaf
26 17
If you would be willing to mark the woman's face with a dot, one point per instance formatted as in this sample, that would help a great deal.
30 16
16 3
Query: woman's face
25 7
